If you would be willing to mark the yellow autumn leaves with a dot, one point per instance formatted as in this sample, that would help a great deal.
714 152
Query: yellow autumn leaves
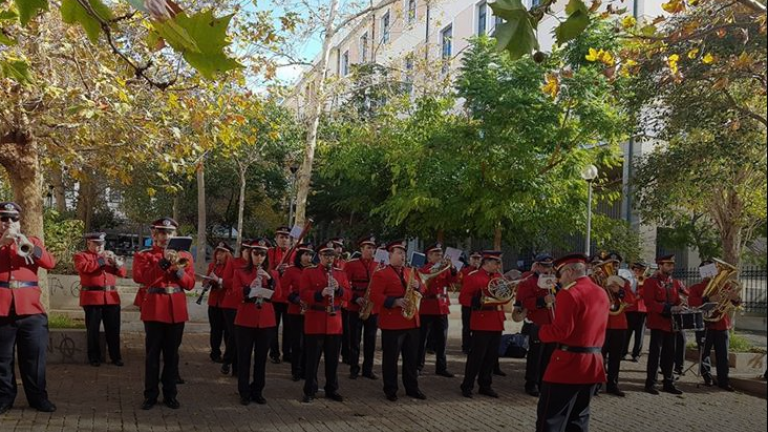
601 56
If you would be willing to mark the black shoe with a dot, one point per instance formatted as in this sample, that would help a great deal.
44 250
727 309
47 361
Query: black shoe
118 363
296 378
275 360
226 369
171 402
95 363
307 399
532 390
727 388
353 375
671 389
370 375
679 372
708 380
499 372
392 397
287 358
417 395
148 404
259 399
4 408
651 390
615 391
430 351
45 406
466 393
180 380
488 392
216 358
445 374
418 372
334 397
635 359
245 400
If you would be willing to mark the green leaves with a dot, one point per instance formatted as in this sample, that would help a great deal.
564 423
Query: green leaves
73 12
516 33
578 20
15 69
29 8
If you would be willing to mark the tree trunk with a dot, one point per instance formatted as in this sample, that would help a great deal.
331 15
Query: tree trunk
86 199
317 96
441 236
202 224
240 211
176 204
59 190
497 237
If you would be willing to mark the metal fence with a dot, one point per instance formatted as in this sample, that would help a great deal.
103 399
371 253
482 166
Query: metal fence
754 282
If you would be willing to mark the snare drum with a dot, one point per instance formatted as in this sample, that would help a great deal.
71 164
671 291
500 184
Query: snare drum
688 320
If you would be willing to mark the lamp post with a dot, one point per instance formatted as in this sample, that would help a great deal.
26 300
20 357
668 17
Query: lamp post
589 174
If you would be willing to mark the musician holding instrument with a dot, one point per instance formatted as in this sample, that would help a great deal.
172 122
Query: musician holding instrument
99 270
620 295
340 263
535 295
23 320
230 301
661 294
165 274
359 273
294 320
435 307
717 325
323 289
487 324
636 313
280 257
255 321
475 258
214 284
576 366
396 291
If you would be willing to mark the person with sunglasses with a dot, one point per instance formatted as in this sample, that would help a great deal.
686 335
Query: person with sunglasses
23 320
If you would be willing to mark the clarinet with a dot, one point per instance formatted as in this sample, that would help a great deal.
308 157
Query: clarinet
332 298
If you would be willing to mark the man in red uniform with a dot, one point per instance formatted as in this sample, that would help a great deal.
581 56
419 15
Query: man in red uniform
164 310
716 334
466 309
399 335
99 297
435 308
487 324
340 262
23 321
539 301
662 298
279 261
359 272
221 256
290 282
636 313
230 301
615 336
576 366
323 288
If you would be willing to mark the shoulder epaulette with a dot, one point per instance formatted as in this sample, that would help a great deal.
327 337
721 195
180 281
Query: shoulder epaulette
145 250
473 272
338 268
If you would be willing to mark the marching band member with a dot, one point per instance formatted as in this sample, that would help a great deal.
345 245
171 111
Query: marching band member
434 310
278 261
400 336
23 321
615 335
466 309
255 322
359 272
716 335
323 289
221 256
340 263
99 297
539 302
230 302
576 366
164 310
636 313
662 298
681 338
294 321
487 325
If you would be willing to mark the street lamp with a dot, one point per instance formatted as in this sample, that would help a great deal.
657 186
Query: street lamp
589 174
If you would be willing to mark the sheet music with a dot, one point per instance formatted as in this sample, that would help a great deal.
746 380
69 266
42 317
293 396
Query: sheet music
296 231
454 255
708 271
261 292
381 256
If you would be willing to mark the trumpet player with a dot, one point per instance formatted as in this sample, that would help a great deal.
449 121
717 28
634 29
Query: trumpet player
435 308
221 256
294 322
279 260
475 257
166 275
23 321
99 270
359 272
487 324
636 312
615 334
323 289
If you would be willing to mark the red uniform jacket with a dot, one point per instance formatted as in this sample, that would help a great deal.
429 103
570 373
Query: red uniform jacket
317 319
359 273
249 314
230 298
94 272
619 322
697 299
291 287
436 300
388 285
484 318
580 321
340 264
532 298
463 273
163 307
639 305
660 294
216 294
274 255
13 269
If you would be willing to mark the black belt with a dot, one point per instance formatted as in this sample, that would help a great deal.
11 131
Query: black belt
580 350
324 308
97 288
255 299
160 290
18 284
435 297
359 289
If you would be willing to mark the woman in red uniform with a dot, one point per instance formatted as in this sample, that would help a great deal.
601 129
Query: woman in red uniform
294 323
216 269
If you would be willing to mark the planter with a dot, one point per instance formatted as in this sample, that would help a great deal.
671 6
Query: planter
70 346
742 362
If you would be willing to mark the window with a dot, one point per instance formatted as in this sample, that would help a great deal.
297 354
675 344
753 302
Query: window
345 64
385 28
482 18
409 73
446 38
364 47
411 16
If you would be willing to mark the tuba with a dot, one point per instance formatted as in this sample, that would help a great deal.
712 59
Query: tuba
602 272
723 285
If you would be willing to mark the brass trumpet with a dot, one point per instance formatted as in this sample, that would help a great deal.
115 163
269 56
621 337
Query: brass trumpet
176 259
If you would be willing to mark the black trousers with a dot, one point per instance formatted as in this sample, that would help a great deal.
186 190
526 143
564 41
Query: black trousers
110 316
435 326
30 334
218 330
539 353
661 353
636 327
564 407
362 331
230 355
720 340
680 342
466 333
281 313
294 326
481 360
345 335
395 343
161 338
328 346
256 341
612 348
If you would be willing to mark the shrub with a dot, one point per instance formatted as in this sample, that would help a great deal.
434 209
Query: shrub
63 238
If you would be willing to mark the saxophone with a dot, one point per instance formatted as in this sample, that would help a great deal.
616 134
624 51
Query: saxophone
367 307
412 297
